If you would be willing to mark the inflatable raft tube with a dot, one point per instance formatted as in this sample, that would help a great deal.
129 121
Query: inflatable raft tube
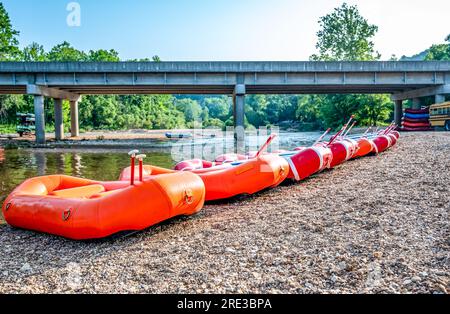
416 124
342 151
417 115
193 164
366 146
407 129
396 134
231 179
415 120
308 161
393 139
231 157
381 143
417 111
83 209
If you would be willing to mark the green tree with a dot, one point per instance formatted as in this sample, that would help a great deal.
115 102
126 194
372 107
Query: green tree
308 112
34 52
256 110
192 110
280 108
12 104
103 55
336 109
439 52
9 44
345 36
65 52
373 109
218 107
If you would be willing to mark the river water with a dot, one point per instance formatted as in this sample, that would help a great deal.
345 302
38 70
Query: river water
105 164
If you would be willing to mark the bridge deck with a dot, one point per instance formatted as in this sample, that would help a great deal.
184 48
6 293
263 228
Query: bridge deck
69 80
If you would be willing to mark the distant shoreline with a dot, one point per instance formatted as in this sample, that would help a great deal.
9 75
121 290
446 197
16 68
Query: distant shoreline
123 139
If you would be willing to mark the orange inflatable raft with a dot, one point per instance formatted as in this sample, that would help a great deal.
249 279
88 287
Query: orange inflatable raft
366 146
81 209
231 179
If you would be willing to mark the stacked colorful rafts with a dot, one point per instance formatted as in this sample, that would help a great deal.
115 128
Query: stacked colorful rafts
416 120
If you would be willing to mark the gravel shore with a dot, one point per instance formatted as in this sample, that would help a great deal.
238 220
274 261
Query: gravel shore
374 225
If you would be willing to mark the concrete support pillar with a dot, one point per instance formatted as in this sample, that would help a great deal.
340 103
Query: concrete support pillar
59 125
74 126
416 103
398 112
239 117
40 118
439 99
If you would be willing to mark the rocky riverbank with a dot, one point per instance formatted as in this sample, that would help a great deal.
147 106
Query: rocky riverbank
374 225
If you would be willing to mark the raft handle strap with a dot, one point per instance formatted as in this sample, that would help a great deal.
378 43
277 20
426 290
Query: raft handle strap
188 197
66 214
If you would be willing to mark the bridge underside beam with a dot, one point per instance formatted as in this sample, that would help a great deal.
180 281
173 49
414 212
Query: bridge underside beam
422 92
229 89
51 92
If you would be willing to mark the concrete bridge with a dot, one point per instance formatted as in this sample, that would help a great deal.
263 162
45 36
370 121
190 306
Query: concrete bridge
71 80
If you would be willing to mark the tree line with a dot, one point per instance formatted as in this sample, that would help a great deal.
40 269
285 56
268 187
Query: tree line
344 35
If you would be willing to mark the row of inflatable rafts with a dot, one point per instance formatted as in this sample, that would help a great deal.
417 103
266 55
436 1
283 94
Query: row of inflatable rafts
145 195
416 120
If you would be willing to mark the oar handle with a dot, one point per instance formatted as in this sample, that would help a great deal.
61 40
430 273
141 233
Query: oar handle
141 166
350 128
368 130
335 137
132 155
321 137
390 128
345 126
266 144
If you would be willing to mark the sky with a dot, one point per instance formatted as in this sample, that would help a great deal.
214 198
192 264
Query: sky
222 30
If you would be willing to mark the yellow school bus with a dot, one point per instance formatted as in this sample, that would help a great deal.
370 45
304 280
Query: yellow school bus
440 115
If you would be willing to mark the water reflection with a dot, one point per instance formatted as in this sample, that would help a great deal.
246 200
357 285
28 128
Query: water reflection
19 165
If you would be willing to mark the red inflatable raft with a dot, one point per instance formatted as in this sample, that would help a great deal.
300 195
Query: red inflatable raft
416 124
343 150
308 161
408 129
417 111
381 143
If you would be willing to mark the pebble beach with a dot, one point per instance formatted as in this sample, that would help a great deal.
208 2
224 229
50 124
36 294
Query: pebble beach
379 224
